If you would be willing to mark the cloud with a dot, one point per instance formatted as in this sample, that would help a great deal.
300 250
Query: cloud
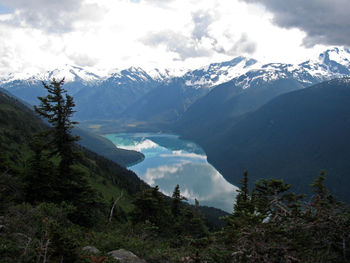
202 21
324 21
83 60
240 46
178 43
50 16
201 40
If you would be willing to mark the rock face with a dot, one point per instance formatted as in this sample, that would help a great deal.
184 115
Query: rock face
125 256
91 249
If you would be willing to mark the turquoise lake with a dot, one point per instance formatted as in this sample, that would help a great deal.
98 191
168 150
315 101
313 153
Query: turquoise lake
170 160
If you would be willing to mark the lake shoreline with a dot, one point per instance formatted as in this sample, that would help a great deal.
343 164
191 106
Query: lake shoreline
170 160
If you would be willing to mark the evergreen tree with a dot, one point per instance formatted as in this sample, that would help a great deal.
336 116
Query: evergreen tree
176 202
57 108
192 222
244 202
149 205
40 180
67 182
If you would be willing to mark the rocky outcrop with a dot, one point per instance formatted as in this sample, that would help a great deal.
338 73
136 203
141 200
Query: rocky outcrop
91 249
125 256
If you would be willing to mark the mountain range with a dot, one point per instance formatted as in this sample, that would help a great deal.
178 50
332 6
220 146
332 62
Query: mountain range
149 95
236 110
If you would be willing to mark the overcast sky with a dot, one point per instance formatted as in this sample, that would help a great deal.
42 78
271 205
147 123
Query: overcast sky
106 34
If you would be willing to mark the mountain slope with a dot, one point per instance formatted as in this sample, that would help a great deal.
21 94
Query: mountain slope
165 103
292 137
106 148
114 94
212 114
18 124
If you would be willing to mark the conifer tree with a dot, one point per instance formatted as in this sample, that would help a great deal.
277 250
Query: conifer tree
149 205
176 202
57 108
244 202
68 182
40 179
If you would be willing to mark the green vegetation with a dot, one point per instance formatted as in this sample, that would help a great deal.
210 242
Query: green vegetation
57 197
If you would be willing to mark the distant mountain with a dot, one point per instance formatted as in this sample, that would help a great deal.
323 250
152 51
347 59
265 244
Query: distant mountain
217 110
158 96
29 87
114 94
164 104
95 96
210 96
168 102
292 137
217 73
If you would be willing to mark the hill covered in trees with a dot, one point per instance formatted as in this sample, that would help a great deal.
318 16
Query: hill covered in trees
292 137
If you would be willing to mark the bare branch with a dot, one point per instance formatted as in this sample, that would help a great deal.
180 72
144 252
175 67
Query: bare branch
114 204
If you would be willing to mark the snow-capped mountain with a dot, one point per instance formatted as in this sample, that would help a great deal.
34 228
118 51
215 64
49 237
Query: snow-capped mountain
107 94
330 64
333 63
69 72
217 73
253 89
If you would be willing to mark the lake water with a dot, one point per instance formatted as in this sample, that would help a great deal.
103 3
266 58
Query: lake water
170 160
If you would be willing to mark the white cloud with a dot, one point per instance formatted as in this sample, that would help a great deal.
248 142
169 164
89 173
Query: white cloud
148 33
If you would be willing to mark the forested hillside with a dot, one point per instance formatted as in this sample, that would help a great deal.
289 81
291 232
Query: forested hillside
292 137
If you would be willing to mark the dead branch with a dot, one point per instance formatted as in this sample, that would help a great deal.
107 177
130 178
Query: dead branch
114 204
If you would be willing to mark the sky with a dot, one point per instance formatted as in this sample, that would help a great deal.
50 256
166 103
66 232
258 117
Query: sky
40 35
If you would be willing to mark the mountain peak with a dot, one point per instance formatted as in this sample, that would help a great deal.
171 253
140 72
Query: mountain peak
339 55
217 73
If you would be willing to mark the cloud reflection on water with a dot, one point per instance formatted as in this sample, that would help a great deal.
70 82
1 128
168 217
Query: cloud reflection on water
166 167
184 155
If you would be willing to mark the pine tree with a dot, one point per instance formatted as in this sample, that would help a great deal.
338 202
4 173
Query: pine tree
176 202
57 108
244 202
68 181
149 206
40 179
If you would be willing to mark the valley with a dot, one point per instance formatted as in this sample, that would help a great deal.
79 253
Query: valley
211 105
